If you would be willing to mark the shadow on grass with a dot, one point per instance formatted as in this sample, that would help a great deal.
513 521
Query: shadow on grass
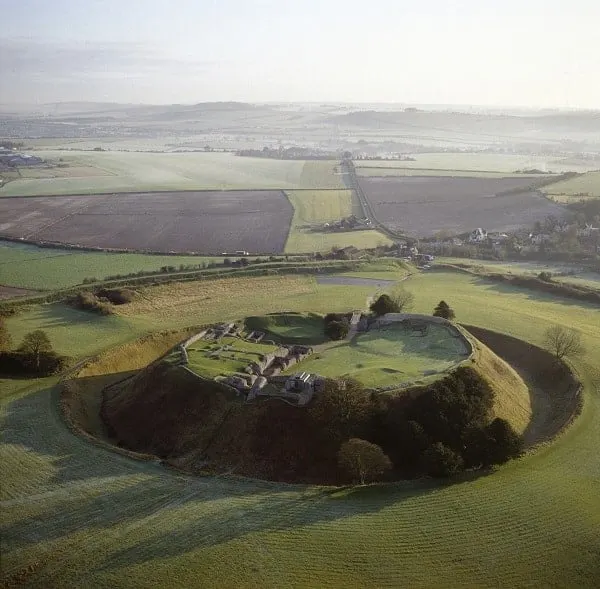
274 510
164 514
530 293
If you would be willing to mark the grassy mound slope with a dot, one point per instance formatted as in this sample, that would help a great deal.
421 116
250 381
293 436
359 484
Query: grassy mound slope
196 423
512 399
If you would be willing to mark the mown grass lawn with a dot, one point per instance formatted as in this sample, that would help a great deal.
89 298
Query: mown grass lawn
74 515
387 357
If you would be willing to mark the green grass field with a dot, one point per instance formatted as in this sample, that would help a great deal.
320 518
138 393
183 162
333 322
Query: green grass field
297 328
575 189
567 273
27 266
233 354
373 170
314 208
386 357
482 162
138 171
75 515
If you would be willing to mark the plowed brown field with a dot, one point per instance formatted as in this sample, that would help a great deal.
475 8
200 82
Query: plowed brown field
209 222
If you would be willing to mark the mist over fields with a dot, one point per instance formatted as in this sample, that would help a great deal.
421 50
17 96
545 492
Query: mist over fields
368 128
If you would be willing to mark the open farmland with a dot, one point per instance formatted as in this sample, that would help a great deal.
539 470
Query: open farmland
423 205
32 267
484 163
314 208
207 222
575 189
373 169
76 515
90 172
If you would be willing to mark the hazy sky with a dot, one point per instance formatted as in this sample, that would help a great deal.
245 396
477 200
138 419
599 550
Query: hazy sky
486 52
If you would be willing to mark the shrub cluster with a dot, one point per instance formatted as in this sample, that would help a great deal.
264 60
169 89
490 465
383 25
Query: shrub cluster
438 431
446 427
19 363
336 325
88 301
116 296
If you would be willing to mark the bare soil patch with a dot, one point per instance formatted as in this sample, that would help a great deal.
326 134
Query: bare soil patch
423 205
11 292
208 222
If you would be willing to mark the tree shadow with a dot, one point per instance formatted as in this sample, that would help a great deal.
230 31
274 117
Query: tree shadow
276 510
34 422
95 489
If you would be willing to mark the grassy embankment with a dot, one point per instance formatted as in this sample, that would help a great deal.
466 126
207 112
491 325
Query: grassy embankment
75 515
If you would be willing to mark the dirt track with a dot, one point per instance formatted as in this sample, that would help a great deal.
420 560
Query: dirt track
208 222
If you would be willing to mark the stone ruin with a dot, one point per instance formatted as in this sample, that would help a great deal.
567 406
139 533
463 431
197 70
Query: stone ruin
255 377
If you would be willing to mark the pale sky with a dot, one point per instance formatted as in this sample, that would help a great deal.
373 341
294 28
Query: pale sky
537 53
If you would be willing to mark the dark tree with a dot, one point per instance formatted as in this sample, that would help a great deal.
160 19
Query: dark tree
441 461
562 341
337 330
504 443
363 461
444 310
384 304
342 408
36 343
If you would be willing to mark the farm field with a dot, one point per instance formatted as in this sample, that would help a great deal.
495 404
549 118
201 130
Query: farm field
139 171
75 515
482 162
228 356
425 205
372 169
387 357
575 189
314 208
28 266
207 222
